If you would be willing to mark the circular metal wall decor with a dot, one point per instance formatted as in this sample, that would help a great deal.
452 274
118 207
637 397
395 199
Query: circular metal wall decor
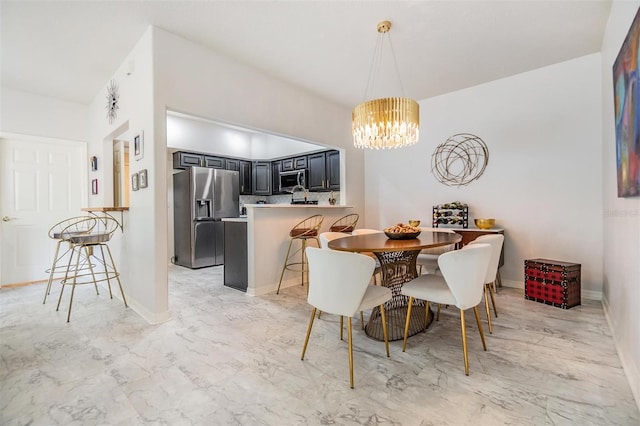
460 160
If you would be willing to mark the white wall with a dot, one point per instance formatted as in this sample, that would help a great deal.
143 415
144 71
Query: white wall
621 244
28 114
543 179
141 248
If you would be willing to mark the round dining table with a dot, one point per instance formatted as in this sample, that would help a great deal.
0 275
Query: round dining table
398 266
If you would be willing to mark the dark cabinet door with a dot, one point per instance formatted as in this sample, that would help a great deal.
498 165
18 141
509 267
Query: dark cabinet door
184 160
231 164
276 168
287 164
262 178
317 172
300 163
246 184
214 162
333 170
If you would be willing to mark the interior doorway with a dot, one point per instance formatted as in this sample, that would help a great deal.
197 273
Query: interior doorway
120 173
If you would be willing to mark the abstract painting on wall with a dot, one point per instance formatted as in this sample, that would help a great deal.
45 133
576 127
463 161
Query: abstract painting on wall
626 86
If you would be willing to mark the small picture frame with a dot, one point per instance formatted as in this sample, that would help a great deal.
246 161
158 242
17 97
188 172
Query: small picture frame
94 163
134 182
138 145
142 178
94 187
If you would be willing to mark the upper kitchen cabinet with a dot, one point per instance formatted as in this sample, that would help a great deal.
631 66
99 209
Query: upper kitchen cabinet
262 178
276 168
324 171
214 162
184 160
246 184
296 163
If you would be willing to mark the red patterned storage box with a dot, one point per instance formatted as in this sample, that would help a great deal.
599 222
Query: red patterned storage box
552 282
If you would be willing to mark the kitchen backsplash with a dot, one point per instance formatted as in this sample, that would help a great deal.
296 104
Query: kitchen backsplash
322 197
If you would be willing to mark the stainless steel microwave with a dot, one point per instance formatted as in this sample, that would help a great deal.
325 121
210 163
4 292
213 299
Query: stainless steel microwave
288 180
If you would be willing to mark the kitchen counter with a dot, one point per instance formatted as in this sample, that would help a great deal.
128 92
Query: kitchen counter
268 227
235 219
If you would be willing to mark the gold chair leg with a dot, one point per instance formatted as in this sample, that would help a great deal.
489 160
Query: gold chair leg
486 304
304 261
66 277
286 260
73 286
306 340
350 340
426 315
406 324
385 333
117 275
319 314
493 301
464 343
362 320
53 268
106 271
341 325
438 314
475 311
93 275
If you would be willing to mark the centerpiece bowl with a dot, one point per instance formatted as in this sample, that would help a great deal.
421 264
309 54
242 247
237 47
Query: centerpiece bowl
402 235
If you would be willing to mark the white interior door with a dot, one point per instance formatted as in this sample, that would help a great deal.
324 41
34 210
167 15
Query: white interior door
42 183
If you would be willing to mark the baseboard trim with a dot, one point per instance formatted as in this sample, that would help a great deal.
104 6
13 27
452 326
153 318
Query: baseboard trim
628 366
150 317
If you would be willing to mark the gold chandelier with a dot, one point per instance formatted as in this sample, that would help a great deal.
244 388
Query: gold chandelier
386 122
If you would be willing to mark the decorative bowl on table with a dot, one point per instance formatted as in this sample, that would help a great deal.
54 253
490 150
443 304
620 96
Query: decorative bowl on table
485 223
402 232
414 223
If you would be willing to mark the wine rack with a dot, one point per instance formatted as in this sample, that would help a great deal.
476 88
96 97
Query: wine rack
453 214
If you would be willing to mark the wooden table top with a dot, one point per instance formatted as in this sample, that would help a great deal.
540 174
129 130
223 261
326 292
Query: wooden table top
379 242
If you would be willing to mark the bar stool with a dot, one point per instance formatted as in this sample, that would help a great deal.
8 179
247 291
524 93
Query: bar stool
71 226
345 224
84 246
307 229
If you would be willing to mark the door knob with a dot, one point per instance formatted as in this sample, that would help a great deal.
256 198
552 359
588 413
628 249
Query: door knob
6 218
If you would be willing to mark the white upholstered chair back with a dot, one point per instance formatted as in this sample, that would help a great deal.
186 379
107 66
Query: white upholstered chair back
465 272
495 241
325 237
338 280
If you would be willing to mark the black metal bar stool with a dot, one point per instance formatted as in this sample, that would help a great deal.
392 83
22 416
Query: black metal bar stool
85 247
307 229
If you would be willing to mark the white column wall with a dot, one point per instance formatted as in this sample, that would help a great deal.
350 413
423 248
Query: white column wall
543 180
142 248
621 295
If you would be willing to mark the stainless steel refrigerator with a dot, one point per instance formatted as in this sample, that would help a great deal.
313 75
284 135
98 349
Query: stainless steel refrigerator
201 197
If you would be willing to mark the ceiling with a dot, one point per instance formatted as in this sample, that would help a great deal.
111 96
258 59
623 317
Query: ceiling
70 49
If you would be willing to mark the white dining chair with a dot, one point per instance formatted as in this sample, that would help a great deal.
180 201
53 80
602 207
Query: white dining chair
377 272
428 258
325 237
495 241
339 285
461 285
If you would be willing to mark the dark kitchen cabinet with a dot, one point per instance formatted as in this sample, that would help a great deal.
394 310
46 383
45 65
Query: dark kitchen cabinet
231 164
262 178
333 170
295 163
214 162
276 168
324 171
246 184
184 160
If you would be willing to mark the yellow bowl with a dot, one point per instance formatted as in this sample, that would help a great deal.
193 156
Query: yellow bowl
414 223
485 223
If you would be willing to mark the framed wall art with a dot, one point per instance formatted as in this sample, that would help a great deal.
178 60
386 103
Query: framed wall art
134 182
142 178
626 95
94 186
138 145
94 163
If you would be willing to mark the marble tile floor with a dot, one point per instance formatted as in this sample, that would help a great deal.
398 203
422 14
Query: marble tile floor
229 359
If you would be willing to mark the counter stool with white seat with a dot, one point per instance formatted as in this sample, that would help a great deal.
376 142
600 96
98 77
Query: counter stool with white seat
307 229
86 247
72 225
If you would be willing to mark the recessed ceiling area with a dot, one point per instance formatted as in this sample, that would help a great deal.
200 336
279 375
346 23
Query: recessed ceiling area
191 133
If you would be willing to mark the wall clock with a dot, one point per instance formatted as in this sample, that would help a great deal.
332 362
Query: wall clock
112 101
